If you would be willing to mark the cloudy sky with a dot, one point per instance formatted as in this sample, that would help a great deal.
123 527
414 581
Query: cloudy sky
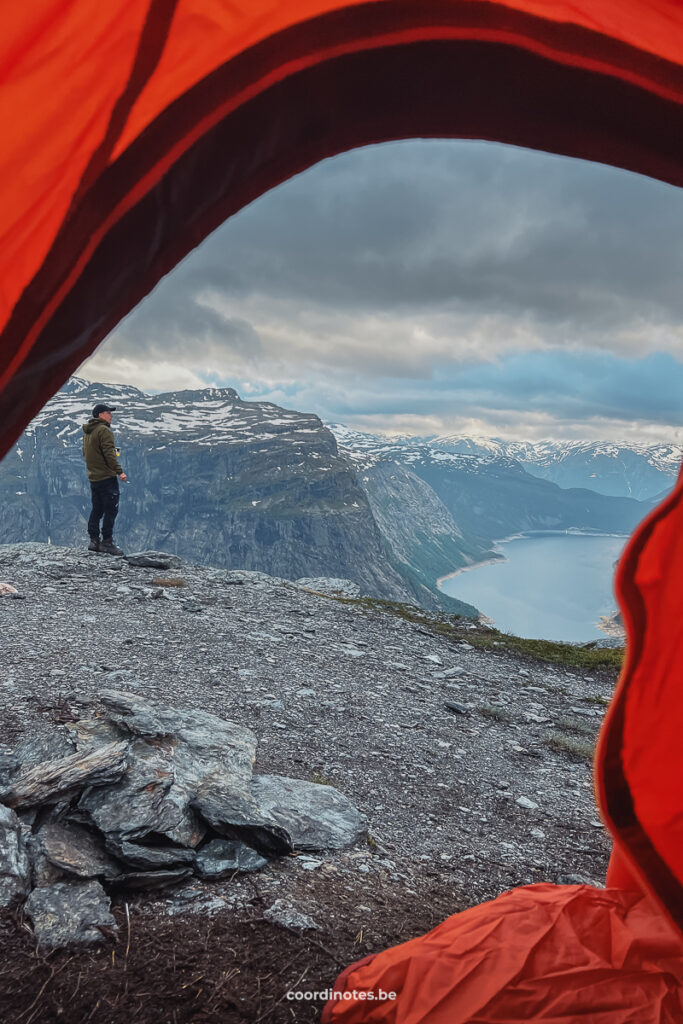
430 287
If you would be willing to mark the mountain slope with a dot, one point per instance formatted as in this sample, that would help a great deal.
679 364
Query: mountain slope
490 495
422 537
215 479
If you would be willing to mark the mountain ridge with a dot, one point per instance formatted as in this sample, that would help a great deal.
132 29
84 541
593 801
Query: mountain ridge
616 468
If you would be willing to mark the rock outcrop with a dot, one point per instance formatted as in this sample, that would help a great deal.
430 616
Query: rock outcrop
150 796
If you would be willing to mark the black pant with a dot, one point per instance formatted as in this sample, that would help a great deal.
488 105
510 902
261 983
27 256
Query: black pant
105 503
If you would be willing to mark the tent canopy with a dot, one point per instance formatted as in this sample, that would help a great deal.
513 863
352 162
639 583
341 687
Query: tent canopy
132 128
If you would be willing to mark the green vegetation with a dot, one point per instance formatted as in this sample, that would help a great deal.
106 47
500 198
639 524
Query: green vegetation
320 779
574 725
580 749
451 627
602 701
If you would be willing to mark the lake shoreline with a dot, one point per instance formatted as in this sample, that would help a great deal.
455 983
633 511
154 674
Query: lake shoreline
528 535
551 584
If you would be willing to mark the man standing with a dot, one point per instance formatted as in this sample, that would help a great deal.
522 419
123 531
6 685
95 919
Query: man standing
104 469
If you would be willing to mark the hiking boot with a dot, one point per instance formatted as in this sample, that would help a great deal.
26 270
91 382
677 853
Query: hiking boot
94 544
109 548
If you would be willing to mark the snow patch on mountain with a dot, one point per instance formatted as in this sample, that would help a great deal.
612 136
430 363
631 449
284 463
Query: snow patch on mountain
615 468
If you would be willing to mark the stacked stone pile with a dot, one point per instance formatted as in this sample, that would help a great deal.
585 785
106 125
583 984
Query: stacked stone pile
137 796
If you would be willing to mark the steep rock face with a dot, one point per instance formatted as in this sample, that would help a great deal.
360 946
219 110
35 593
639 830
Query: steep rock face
422 535
507 500
214 479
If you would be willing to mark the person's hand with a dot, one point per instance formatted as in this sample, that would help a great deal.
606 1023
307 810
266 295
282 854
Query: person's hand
123 477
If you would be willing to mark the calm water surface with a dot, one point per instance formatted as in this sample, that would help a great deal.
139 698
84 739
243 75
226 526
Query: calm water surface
552 586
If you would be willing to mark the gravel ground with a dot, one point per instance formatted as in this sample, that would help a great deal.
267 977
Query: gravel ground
472 767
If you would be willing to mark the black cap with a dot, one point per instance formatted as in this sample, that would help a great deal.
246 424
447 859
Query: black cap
103 408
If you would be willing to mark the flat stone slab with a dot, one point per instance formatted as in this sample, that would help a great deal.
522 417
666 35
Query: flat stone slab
149 857
153 879
154 560
75 850
287 916
69 914
48 780
50 745
15 866
223 857
316 817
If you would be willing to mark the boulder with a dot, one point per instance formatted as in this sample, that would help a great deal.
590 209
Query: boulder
70 914
153 560
145 800
172 755
235 814
316 817
202 743
15 866
223 857
9 764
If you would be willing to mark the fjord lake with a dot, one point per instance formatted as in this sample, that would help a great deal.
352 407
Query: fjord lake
551 586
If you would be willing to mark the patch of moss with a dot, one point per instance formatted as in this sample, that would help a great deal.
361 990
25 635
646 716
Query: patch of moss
574 725
451 627
579 749
320 779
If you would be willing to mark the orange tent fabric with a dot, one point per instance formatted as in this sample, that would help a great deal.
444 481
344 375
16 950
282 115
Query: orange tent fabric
131 129
540 953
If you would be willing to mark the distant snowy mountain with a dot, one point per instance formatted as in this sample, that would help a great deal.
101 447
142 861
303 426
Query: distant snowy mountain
620 469
208 416
489 493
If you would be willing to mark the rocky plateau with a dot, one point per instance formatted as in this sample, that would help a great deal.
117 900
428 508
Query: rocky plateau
468 764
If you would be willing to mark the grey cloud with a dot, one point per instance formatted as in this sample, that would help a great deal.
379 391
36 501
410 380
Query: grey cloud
429 222
166 322
357 287
412 228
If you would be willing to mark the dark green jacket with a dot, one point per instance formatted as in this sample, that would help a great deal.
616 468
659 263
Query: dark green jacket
99 451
